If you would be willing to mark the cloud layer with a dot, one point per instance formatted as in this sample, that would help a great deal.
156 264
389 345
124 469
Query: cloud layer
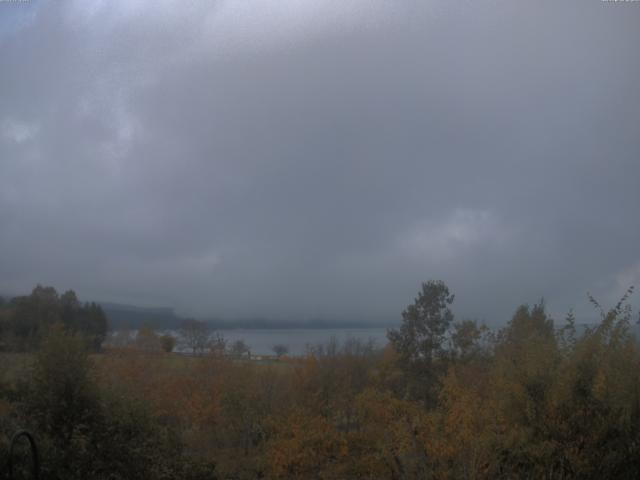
306 159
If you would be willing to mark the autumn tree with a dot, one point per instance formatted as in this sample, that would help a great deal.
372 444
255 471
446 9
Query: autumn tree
147 339
525 368
468 340
595 414
304 446
89 432
393 438
62 400
463 424
167 343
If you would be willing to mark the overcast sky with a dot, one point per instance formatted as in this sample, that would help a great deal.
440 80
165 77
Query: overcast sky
320 158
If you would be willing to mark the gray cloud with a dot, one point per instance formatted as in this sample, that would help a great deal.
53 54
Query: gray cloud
307 159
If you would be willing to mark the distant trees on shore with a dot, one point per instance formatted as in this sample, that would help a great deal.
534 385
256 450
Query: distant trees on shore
280 350
196 335
25 320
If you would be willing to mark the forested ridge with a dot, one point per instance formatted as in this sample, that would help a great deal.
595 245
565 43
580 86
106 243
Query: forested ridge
444 399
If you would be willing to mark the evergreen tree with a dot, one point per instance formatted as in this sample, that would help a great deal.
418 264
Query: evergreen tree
421 339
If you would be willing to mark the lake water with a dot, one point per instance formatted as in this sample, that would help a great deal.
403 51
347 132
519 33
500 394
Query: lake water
261 342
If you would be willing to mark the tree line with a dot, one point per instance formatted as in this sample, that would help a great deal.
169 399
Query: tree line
25 320
195 337
444 399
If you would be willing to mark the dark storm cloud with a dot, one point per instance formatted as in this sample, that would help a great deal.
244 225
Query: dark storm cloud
319 159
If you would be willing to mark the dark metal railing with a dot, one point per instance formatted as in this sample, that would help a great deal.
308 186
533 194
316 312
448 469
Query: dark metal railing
35 464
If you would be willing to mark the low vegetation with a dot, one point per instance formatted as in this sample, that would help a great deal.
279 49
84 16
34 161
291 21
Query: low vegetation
444 399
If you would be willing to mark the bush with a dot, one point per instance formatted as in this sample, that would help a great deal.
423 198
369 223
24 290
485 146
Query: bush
84 433
167 343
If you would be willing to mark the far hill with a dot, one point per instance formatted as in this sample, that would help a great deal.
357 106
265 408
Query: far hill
130 316
280 324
